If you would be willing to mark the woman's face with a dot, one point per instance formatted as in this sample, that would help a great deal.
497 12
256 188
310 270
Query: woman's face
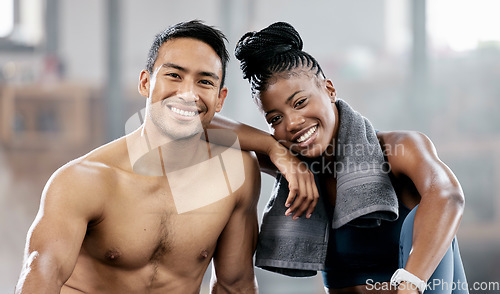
300 112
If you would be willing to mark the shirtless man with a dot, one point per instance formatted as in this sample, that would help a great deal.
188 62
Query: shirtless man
146 213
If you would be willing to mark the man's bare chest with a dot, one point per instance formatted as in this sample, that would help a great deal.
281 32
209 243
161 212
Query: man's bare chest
143 226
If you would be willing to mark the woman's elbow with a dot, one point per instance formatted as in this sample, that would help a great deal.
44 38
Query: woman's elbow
455 200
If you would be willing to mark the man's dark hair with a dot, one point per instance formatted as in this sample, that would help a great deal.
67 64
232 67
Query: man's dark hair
273 50
194 29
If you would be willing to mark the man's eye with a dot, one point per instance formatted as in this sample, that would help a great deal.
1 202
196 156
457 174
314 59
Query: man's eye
174 75
206 82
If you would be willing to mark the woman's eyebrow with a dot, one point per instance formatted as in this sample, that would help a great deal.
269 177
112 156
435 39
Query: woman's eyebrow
287 101
293 95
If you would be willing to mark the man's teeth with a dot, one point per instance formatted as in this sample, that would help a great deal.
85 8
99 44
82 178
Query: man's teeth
307 135
183 112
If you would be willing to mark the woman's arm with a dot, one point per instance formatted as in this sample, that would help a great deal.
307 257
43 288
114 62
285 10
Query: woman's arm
442 200
274 157
250 138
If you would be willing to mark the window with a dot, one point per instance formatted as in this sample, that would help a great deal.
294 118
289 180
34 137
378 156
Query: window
463 25
6 18
21 24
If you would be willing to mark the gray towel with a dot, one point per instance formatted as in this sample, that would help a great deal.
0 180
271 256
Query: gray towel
365 195
292 247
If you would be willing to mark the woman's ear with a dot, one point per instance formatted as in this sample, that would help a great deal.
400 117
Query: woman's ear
144 81
330 88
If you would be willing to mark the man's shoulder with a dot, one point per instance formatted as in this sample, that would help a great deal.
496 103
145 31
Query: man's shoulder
248 176
227 143
79 176
236 160
99 166
77 186
250 161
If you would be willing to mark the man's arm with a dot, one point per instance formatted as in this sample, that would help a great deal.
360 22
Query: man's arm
55 237
233 270
442 200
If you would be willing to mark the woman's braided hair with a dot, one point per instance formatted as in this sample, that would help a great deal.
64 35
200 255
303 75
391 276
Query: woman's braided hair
275 49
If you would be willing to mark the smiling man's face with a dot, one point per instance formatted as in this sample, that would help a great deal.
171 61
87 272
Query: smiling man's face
184 90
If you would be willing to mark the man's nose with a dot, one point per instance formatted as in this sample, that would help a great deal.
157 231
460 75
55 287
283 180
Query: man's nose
186 92
294 122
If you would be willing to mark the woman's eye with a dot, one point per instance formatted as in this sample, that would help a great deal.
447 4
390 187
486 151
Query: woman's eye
275 119
300 102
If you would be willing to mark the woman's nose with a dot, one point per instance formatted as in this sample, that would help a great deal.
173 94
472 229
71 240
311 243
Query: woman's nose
294 123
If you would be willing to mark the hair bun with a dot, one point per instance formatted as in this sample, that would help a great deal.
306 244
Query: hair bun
255 48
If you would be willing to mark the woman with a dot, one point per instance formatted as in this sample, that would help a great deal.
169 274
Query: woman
304 115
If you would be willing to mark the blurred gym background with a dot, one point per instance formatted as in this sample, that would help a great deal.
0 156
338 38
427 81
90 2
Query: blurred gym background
69 72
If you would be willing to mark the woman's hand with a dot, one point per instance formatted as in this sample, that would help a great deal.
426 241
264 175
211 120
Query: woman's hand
304 194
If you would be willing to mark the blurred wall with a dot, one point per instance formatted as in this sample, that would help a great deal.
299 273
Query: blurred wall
364 46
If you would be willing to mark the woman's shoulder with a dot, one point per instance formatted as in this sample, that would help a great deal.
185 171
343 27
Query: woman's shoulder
394 138
406 150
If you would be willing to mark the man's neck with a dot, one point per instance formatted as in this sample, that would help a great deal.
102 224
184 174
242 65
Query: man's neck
181 153
153 153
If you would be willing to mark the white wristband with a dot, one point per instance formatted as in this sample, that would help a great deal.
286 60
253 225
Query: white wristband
402 275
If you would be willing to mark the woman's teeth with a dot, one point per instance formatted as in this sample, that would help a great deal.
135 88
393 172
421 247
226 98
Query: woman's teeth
182 112
307 135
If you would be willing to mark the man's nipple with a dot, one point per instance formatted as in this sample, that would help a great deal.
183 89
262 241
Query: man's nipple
203 254
112 255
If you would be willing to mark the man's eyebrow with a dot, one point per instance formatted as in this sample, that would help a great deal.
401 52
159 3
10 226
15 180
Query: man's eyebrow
173 65
287 100
209 74
202 73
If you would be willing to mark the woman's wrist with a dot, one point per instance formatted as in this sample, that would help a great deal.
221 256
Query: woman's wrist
407 288
405 280
276 151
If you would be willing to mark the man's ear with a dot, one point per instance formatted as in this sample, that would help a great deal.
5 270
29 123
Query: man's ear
144 81
330 88
221 99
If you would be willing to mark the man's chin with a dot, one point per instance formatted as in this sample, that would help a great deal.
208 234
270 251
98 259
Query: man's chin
183 136
174 130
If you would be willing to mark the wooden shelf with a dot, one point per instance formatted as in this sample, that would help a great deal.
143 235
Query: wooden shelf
40 116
